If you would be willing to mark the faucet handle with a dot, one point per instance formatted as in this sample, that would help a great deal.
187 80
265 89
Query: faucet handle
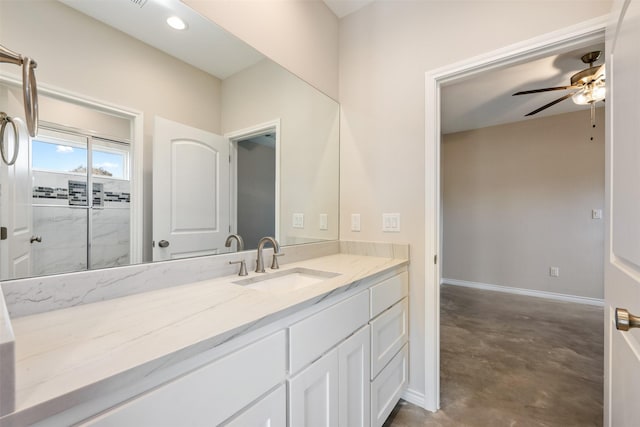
243 267
274 262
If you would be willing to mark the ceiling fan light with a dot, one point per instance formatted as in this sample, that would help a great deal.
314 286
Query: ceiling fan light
589 94
581 97
599 93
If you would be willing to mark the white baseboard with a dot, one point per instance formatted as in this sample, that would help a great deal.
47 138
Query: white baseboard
414 397
528 292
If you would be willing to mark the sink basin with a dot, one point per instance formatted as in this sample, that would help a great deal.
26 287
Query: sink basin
287 280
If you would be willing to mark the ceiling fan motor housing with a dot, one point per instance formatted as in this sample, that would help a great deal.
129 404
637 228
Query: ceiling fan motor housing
584 77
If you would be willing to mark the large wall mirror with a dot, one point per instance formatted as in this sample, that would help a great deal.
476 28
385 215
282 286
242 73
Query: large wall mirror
156 143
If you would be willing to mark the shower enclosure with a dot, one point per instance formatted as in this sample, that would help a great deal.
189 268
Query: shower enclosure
81 198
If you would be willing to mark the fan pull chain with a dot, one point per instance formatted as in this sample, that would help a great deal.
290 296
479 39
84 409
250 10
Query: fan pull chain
593 118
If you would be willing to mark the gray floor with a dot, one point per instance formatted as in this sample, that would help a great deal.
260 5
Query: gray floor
510 360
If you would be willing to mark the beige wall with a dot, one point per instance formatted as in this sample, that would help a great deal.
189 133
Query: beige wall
300 35
517 199
309 148
83 56
385 50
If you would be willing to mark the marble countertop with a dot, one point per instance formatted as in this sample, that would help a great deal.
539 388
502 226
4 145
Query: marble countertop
73 350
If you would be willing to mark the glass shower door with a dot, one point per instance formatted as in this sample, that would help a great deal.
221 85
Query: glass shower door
110 213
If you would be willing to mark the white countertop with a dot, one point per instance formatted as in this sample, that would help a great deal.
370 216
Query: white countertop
62 352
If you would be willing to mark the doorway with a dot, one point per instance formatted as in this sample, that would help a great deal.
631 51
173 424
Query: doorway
572 38
255 182
255 176
104 181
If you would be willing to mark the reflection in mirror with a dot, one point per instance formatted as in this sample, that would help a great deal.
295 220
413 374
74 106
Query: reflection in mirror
151 135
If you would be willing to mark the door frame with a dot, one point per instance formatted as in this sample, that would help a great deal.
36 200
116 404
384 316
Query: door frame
234 137
569 38
137 141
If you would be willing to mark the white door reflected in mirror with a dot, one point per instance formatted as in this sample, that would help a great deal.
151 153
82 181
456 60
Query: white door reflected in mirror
190 191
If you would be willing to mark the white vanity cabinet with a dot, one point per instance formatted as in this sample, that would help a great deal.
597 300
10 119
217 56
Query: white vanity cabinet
313 394
351 379
354 361
339 363
334 390
209 395
270 411
389 348
388 386
320 392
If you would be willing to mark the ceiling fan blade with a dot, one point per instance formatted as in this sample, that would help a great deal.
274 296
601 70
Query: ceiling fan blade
599 73
552 103
546 89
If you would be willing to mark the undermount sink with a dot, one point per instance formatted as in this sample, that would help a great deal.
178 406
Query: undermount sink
287 280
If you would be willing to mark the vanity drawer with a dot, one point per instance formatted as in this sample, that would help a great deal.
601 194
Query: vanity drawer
269 411
208 395
313 336
389 332
387 388
388 292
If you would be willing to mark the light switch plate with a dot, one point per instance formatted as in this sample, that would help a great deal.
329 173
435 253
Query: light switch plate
554 271
391 222
324 222
355 222
596 214
298 220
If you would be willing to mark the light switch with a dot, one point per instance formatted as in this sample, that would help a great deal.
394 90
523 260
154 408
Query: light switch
596 214
355 222
324 222
554 271
298 220
391 222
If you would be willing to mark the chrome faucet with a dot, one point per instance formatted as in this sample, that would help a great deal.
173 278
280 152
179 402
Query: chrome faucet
239 244
276 253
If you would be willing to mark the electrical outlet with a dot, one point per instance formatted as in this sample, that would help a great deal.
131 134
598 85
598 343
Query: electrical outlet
355 222
554 271
298 220
391 222
324 222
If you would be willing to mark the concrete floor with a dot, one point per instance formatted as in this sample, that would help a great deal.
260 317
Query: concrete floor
511 360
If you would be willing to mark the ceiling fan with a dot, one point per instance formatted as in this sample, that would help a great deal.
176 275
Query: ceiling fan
590 85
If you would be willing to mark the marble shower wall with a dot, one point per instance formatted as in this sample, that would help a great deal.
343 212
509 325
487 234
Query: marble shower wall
60 218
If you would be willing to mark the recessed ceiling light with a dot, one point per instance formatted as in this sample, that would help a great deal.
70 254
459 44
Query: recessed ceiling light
176 23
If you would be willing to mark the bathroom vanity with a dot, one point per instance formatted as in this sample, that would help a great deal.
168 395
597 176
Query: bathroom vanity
321 341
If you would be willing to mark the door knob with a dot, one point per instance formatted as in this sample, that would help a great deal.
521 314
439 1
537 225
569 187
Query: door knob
163 243
626 321
35 239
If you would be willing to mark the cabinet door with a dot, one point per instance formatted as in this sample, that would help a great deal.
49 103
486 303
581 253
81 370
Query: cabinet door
313 394
270 411
354 360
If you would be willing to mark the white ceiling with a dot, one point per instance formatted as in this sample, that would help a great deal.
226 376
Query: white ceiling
344 7
486 100
148 24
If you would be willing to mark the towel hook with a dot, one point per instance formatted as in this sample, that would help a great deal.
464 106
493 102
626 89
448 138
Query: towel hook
16 141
